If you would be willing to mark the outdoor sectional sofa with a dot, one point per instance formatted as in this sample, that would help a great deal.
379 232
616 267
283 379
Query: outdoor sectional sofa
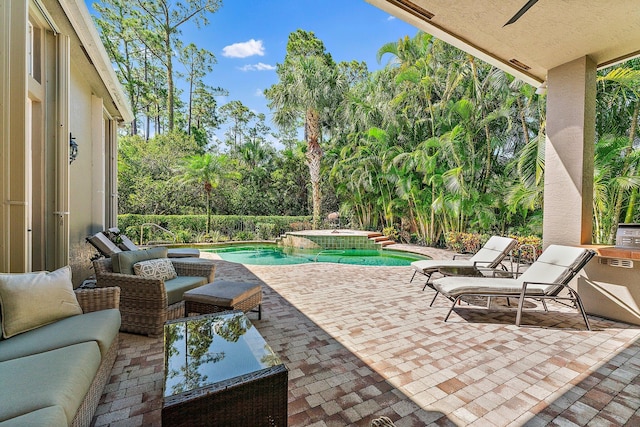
154 293
60 349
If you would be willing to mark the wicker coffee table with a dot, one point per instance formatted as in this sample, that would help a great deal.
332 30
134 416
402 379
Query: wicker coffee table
220 371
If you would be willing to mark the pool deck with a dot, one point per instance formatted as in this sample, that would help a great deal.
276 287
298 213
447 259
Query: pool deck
361 342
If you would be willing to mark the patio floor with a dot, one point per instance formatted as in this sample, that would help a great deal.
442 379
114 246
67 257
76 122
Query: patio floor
361 342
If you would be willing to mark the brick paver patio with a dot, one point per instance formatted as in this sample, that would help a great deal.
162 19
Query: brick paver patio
361 342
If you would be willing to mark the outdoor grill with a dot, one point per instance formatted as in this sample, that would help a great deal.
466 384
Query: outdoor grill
628 236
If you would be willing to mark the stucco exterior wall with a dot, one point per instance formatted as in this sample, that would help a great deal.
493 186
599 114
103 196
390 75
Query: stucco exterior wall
66 86
86 188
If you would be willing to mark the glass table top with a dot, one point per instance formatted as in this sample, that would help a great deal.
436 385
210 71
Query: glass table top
204 350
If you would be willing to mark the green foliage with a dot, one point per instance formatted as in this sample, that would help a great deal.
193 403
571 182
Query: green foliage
392 233
265 231
147 171
435 144
466 243
192 228
529 248
244 235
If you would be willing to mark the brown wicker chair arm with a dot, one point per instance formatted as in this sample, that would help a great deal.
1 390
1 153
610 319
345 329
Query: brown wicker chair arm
202 268
135 287
98 299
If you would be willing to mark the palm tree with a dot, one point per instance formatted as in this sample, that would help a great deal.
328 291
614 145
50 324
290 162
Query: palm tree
310 88
208 170
621 99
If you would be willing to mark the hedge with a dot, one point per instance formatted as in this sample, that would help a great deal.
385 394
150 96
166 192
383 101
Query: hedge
192 228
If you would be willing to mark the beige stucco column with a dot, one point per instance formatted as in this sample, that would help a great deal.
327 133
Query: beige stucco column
570 141
14 234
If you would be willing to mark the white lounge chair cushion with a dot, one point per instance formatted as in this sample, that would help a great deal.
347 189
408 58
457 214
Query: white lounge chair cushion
494 250
489 255
454 286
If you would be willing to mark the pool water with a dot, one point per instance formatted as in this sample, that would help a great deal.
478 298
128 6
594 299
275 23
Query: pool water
274 255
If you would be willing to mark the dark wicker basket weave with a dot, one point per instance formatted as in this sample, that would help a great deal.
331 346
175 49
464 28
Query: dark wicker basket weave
143 301
96 300
246 305
254 400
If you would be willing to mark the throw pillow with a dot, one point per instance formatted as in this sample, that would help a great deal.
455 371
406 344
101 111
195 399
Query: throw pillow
160 268
31 300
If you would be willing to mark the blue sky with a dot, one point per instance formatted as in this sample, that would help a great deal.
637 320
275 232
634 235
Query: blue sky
249 37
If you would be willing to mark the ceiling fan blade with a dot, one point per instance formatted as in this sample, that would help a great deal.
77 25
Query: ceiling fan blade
521 12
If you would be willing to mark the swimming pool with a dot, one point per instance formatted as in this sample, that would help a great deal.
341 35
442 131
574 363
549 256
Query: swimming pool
255 254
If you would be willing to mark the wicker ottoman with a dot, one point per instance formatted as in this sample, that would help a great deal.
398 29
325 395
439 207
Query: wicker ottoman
223 295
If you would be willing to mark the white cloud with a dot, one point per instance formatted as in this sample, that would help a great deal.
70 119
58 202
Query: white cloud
391 18
257 67
243 50
259 93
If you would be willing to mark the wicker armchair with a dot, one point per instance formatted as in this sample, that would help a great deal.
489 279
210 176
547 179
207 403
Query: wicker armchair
143 301
98 299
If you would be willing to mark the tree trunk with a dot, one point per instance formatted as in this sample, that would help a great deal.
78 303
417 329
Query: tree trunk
208 190
190 105
631 209
314 156
170 86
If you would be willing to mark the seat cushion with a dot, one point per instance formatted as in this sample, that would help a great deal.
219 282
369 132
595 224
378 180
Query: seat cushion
99 326
455 286
31 300
58 377
102 243
123 262
52 416
183 253
177 287
223 293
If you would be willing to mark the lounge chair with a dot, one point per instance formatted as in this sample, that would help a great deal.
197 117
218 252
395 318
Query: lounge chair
544 279
105 243
102 243
489 256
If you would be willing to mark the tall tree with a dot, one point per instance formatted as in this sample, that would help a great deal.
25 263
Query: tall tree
197 63
239 115
310 87
163 19
116 22
205 116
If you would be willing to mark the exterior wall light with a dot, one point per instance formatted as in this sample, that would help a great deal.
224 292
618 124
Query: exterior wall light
73 148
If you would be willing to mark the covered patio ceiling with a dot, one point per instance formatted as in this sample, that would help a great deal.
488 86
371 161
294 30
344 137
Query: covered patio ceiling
550 33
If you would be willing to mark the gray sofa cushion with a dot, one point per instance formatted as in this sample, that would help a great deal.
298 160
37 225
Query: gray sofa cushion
99 326
183 253
46 417
59 377
123 261
177 287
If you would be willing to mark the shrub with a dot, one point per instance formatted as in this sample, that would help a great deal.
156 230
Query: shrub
223 227
265 230
391 232
526 245
244 235
465 242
